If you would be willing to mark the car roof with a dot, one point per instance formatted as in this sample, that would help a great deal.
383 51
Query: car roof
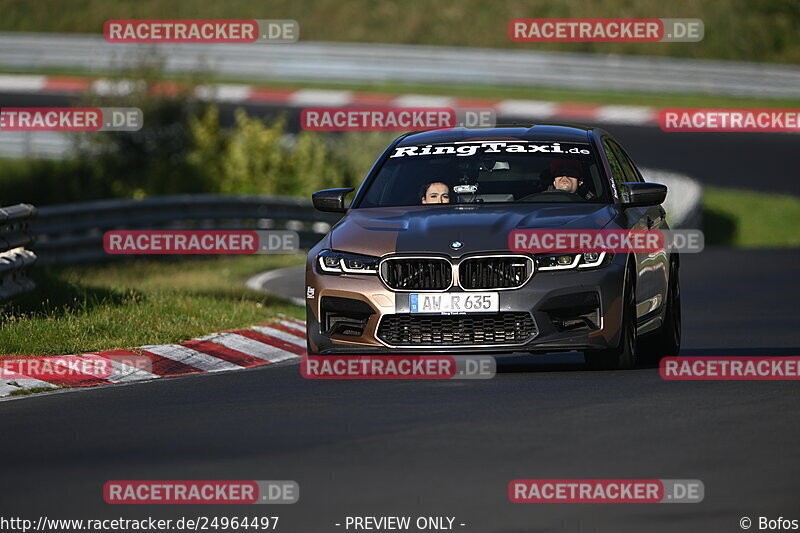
520 132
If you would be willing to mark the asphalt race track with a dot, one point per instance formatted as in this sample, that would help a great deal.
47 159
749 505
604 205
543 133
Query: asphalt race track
447 448
450 448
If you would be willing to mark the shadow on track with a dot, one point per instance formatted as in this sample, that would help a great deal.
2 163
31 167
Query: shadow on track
573 361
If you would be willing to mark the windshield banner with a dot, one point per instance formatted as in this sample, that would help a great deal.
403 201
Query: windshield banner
470 148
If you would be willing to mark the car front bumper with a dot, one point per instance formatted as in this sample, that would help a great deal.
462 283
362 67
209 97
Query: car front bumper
570 310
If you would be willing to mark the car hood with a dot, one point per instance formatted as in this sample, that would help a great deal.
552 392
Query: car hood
480 228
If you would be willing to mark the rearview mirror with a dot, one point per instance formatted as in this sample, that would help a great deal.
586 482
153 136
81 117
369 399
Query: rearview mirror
331 200
635 194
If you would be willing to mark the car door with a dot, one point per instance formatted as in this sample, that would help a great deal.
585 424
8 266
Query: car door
655 219
651 268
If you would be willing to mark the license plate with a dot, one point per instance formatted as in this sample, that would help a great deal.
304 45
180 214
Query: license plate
449 302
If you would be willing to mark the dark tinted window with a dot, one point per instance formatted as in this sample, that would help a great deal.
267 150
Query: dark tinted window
617 173
629 172
487 172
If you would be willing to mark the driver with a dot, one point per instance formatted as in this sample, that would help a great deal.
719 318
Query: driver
568 177
436 193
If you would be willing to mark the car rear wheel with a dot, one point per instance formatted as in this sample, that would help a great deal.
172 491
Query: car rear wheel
666 342
622 356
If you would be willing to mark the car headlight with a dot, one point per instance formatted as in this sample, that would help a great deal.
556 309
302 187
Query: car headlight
586 260
331 262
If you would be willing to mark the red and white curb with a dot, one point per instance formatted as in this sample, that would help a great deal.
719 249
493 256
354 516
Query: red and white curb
288 97
283 339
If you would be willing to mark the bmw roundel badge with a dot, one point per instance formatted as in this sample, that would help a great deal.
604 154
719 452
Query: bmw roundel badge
455 245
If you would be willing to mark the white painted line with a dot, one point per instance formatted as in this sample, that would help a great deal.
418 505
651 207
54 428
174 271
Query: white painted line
294 326
25 382
320 227
258 281
187 356
18 82
224 93
123 373
626 114
282 335
252 347
105 87
422 100
526 108
6 388
79 365
684 197
319 97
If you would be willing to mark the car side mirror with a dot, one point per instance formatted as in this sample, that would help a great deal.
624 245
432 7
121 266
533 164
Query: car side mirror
635 194
331 200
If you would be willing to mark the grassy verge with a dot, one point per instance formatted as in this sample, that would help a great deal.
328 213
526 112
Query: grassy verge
750 219
659 100
33 390
124 305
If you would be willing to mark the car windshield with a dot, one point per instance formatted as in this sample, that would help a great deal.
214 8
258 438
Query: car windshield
487 172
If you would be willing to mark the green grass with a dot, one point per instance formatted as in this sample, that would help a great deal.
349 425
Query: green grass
129 304
33 390
492 92
750 219
752 30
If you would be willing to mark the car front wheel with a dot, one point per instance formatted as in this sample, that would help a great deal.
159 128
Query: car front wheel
666 342
622 356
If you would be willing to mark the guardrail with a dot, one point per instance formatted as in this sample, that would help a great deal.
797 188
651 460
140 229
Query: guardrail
14 257
39 144
73 233
375 63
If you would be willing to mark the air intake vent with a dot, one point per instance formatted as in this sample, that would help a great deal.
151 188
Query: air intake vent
407 274
502 272
457 330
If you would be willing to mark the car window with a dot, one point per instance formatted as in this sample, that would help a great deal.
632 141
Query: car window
509 171
617 172
627 171
627 163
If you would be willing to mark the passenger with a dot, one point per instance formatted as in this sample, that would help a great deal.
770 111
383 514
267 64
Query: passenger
436 193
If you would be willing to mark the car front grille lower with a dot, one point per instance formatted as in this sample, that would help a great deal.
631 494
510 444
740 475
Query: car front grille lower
512 328
425 274
502 272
